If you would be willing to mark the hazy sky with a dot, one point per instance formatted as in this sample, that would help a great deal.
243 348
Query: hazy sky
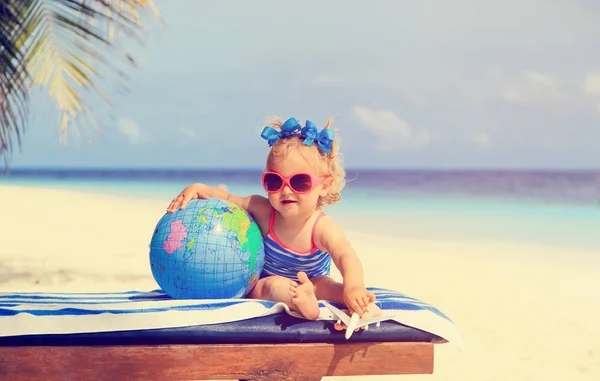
435 84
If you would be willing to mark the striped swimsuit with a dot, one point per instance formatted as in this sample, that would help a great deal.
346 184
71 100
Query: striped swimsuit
283 261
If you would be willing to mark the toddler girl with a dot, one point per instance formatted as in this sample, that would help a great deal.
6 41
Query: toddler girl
303 174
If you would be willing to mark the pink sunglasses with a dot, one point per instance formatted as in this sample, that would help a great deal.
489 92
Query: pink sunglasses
300 182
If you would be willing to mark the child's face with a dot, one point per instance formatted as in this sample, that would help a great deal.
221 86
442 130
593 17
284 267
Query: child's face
288 202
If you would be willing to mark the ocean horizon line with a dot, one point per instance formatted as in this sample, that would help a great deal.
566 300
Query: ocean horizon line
471 170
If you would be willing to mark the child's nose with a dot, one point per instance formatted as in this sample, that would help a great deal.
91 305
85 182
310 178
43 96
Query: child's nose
286 190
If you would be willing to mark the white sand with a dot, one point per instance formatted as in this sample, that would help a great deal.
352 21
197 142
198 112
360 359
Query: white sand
523 319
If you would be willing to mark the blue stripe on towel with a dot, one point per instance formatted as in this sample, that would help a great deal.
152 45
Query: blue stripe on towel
108 310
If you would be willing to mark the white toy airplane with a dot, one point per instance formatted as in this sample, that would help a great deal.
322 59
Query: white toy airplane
355 321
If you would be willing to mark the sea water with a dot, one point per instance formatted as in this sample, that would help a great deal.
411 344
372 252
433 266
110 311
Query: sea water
544 207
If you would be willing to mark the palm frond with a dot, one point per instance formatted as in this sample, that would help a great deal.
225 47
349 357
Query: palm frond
68 47
72 42
13 93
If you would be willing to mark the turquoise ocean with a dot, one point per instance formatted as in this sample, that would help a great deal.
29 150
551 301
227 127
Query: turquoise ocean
559 208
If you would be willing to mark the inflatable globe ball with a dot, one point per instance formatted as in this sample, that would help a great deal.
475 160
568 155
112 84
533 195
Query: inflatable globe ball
212 249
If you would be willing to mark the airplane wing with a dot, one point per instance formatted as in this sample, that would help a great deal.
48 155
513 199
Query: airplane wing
353 322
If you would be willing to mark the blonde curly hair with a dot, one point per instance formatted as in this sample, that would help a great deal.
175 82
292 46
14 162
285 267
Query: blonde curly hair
324 164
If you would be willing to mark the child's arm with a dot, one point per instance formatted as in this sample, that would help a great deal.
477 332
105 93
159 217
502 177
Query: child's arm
330 237
254 204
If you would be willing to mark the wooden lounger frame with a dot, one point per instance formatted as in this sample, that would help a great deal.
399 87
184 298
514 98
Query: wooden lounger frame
268 362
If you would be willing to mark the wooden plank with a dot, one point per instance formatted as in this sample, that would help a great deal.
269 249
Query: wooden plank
302 362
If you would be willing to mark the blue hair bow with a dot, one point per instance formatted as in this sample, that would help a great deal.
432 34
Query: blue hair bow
289 128
324 139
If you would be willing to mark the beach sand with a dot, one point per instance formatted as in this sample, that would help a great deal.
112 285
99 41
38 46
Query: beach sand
522 317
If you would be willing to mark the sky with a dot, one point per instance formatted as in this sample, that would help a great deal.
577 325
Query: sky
412 84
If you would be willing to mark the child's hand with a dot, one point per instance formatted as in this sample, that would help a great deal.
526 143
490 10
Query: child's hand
357 298
191 192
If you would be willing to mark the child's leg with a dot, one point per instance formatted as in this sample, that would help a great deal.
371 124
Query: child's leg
299 297
272 288
326 288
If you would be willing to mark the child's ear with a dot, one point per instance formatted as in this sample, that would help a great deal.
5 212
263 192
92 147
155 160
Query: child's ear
326 185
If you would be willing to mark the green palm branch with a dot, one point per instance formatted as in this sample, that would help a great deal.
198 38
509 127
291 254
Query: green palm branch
66 46
13 73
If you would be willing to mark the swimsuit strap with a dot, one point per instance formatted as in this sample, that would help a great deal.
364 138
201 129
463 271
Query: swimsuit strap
271 221
312 233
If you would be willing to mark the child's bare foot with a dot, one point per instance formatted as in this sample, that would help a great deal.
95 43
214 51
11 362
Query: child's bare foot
372 310
303 297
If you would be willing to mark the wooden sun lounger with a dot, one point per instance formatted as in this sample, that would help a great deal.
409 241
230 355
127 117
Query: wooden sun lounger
250 350
300 362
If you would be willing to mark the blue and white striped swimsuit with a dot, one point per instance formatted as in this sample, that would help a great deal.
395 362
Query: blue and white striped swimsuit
286 262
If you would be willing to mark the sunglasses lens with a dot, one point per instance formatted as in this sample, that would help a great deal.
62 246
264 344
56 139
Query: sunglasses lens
272 182
301 183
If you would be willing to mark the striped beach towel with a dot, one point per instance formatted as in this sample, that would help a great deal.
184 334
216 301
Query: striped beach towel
72 313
